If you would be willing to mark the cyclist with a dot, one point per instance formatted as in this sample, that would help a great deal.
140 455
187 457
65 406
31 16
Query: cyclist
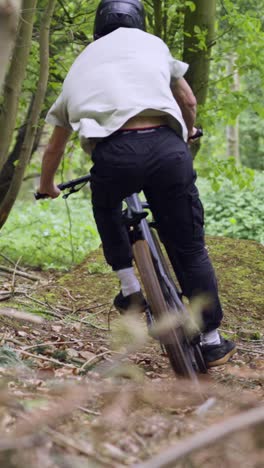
126 97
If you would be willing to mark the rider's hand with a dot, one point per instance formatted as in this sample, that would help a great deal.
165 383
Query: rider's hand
191 134
195 134
51 190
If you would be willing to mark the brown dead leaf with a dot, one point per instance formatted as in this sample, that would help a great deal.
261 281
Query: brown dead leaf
72 353
86 355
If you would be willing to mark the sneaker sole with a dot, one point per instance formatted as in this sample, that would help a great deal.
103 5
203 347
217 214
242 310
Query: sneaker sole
134 308
223 360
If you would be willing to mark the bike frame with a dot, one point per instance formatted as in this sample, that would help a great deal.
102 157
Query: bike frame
135 206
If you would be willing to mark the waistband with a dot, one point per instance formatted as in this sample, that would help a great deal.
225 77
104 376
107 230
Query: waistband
139 131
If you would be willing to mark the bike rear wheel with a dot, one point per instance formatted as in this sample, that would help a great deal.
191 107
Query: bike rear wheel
177 348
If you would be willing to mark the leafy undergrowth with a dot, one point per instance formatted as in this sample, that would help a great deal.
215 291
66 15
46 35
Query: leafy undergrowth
74 395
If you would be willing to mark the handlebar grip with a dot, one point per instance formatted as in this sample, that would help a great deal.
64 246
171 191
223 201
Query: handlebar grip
198 134
39 196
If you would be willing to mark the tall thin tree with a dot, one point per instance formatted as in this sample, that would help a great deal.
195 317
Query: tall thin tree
199 35
15 77
12 193
9 13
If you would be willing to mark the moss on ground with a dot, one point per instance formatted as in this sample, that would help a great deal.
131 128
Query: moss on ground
239 266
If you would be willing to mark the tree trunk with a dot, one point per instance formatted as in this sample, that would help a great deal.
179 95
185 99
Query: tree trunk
196 50
36 109
232 131
15 78
9 13
157 6
199 33
9 167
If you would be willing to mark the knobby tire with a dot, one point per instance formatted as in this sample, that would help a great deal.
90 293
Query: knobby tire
174 343
196 350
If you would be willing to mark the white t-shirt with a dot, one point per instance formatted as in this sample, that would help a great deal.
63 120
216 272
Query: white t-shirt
125 73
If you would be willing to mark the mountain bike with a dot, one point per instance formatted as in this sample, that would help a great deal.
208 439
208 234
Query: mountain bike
167 316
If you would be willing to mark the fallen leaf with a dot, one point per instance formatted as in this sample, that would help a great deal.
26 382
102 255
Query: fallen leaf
72 352
86 355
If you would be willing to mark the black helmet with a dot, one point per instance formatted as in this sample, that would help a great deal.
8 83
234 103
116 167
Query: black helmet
114 14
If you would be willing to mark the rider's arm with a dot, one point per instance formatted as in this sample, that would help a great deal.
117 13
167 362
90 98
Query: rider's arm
186 100
51 160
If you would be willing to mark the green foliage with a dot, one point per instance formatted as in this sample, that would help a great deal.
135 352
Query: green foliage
240 37
235 212
45 236
218 171
190 5
8 358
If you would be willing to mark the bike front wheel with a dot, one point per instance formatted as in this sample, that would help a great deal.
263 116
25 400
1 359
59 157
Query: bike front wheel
177 348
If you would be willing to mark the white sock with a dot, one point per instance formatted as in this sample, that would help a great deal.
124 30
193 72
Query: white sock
129 281
211 338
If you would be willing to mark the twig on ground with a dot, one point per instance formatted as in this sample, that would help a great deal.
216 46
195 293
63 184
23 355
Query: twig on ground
249 350
88 411
45 312
97 305
93 359
20 273
209 436
44 358
20 315
12 340
49 343
88 309
75 319
14 276
45 304
94 314
67 291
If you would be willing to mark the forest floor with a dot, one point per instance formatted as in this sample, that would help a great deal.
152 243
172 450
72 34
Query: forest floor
72 396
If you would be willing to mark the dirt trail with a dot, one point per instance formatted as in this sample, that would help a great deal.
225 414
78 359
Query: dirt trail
57 390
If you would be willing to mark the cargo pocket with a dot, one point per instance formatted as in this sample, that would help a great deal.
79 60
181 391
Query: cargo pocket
197 212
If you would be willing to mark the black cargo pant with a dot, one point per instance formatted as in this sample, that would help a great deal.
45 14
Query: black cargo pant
158 162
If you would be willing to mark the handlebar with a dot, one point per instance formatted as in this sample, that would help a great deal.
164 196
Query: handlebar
71 184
